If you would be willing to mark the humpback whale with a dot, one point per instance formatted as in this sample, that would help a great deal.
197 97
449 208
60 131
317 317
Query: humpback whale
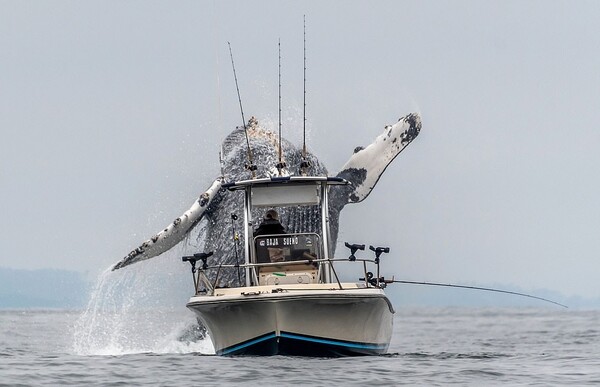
216 205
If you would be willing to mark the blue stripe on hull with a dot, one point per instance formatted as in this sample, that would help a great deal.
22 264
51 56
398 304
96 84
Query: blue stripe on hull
347 344
246 345
293 344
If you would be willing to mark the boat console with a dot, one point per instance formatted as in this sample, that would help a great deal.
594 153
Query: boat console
284 249
287 247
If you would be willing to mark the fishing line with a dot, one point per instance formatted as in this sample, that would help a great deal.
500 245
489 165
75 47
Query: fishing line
476 288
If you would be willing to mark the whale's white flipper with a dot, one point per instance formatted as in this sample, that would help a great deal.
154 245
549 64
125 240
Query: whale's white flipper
175 232
366 165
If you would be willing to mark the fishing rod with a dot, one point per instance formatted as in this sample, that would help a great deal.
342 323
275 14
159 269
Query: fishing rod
235 241
221 162
473 288
250 166
280 165
304 164
381 282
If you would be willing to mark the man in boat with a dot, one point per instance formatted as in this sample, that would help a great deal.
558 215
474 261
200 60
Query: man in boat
270 225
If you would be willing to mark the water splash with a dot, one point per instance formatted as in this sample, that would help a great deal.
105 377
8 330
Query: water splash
141 309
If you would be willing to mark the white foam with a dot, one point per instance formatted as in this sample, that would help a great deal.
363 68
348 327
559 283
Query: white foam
141 309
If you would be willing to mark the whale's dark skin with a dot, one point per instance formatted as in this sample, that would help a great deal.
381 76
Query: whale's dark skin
216 206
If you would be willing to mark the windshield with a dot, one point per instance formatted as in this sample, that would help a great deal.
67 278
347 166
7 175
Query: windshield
287 247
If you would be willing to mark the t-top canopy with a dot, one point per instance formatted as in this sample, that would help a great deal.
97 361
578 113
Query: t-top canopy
291 180
285 191
282 195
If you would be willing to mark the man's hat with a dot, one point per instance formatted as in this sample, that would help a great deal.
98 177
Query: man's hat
272 214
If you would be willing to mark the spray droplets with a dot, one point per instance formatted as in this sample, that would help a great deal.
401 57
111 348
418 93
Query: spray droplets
140 309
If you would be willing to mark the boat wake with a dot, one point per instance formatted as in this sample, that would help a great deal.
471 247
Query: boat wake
141 310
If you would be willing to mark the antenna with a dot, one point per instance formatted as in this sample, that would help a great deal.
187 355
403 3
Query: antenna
221 162
280 165
305 163
250 166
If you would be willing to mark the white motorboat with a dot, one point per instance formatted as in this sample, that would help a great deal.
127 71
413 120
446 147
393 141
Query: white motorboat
290 300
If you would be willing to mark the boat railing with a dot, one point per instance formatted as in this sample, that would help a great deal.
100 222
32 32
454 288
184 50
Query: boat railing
201 279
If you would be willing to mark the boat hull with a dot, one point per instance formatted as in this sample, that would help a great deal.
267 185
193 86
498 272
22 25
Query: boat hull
314 322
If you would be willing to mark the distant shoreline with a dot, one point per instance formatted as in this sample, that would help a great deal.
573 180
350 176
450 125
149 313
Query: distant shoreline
56 289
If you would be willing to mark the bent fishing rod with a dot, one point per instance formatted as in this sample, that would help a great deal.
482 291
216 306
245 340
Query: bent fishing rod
473 288
381 282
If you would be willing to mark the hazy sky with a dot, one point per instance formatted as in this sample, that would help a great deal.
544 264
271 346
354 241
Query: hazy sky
112 112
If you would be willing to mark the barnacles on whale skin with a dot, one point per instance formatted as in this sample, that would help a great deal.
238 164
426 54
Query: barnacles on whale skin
175 232
203 199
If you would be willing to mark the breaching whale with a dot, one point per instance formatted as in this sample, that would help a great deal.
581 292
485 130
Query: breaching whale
216 205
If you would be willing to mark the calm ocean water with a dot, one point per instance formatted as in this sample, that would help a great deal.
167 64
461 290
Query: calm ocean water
434 346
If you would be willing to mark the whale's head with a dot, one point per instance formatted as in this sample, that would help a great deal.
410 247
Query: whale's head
264 148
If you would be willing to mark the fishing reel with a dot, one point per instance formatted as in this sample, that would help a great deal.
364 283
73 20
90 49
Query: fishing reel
192 259
304 165
251 167
234 217
380 282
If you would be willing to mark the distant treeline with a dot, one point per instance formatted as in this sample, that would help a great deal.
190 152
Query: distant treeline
42 288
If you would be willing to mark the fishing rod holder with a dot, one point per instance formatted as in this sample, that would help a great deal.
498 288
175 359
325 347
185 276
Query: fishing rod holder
353 249
369 278
192 259
234 217
379 281
378 251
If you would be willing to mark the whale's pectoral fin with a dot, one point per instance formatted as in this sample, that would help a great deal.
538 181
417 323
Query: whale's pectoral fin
175 232
366 165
